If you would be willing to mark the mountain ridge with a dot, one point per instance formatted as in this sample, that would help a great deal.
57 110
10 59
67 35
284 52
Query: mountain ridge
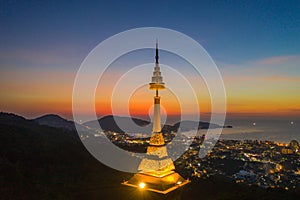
107 123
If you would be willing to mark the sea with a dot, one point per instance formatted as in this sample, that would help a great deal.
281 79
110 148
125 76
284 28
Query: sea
281 129
278 129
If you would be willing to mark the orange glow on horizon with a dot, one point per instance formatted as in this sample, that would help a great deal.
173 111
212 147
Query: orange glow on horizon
34 93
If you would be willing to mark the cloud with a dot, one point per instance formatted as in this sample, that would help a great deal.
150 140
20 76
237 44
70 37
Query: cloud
273 69
40 57
282 78
290 109
275 60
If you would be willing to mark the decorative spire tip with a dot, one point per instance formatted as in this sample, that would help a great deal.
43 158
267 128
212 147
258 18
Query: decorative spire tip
156 56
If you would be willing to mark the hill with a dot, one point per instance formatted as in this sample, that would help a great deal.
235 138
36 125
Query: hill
55 121
113 123
42 162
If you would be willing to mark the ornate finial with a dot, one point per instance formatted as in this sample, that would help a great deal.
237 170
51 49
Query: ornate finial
156 56
157 80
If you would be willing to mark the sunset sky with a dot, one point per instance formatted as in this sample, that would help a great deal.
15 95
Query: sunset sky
255 44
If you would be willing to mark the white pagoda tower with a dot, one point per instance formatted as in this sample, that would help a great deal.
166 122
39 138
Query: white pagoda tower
157 169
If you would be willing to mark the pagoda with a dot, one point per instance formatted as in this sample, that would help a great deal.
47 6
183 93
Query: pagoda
156 170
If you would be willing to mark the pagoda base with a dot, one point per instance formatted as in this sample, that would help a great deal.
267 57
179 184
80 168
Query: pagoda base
162 185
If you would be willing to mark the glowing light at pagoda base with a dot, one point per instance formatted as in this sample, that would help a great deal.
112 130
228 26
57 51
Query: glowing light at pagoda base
142 185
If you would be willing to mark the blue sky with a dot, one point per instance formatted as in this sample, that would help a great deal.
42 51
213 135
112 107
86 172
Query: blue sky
255 43
231 31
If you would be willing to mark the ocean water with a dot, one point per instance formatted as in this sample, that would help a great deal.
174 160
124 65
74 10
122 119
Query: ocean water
279 129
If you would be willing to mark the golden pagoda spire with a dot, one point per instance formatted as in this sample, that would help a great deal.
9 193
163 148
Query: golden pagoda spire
157 169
